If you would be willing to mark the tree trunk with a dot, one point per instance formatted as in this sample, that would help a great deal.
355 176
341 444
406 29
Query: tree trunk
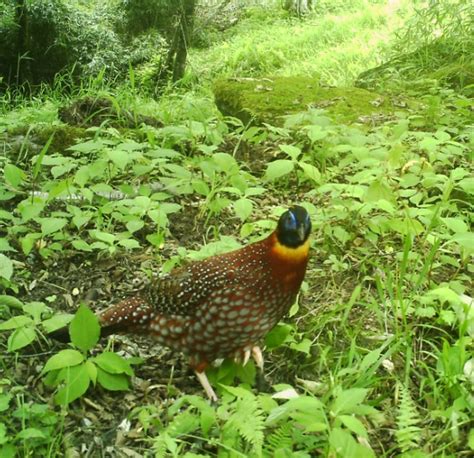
175 64
23 68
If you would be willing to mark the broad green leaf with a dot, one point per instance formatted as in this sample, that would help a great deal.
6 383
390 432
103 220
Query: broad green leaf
354 424
103 236
346 446
316 133
51 225
112 382
5 399
119 157
76 382
292 151
243 208
379 190
456 224
277 335
31 433
30 208
311 171
134 225
5 245
279 168
87 147
11 302
13 175
465 240
65 358
304 346
113 363
35 309
57 321
15 322
6 267
348 399
129 243
201 187
81 245
84 329
82 175
21 337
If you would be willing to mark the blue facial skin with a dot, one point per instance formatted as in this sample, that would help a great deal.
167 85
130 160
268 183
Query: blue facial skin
294 227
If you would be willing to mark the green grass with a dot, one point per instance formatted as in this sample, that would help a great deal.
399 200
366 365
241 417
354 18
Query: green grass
335 47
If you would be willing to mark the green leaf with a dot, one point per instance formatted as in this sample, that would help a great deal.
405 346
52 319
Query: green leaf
277 335
112 382
51 225
84 329
134 225
102 236
5 399
465 240
348 399
379 190
279 168
81 245
5 245
6 267
354 424
57 321
311 172
31 433
92 371
304 346
76 382
346 446
292 151
15 322
11 302
119 157
13 175
129 243
30 208
243 208
113 363
65 358
455 224
21 337
35 309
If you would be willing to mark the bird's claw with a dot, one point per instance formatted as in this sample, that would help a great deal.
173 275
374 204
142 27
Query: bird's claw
243 356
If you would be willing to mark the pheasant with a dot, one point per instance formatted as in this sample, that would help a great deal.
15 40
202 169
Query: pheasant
223 305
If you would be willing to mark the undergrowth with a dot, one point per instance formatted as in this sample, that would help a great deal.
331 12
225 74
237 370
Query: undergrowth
375 358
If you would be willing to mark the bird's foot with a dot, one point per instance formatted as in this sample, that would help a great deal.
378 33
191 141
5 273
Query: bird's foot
243 356
202 377
258 357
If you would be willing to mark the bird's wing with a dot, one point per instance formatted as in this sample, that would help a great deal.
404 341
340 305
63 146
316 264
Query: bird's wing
184 289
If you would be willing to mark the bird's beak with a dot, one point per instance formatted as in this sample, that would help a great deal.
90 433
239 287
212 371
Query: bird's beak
301 233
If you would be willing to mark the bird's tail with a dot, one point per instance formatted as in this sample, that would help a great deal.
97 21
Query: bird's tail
126 316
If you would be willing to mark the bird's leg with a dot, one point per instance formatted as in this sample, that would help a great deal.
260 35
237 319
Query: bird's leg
258 357
202 377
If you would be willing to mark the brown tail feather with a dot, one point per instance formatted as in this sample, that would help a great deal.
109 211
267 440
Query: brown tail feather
122 317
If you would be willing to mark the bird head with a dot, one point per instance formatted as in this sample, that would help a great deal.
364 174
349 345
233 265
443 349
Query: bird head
294 227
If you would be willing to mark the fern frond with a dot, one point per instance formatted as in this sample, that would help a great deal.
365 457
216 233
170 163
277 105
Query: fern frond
280 438
248 420
408 433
